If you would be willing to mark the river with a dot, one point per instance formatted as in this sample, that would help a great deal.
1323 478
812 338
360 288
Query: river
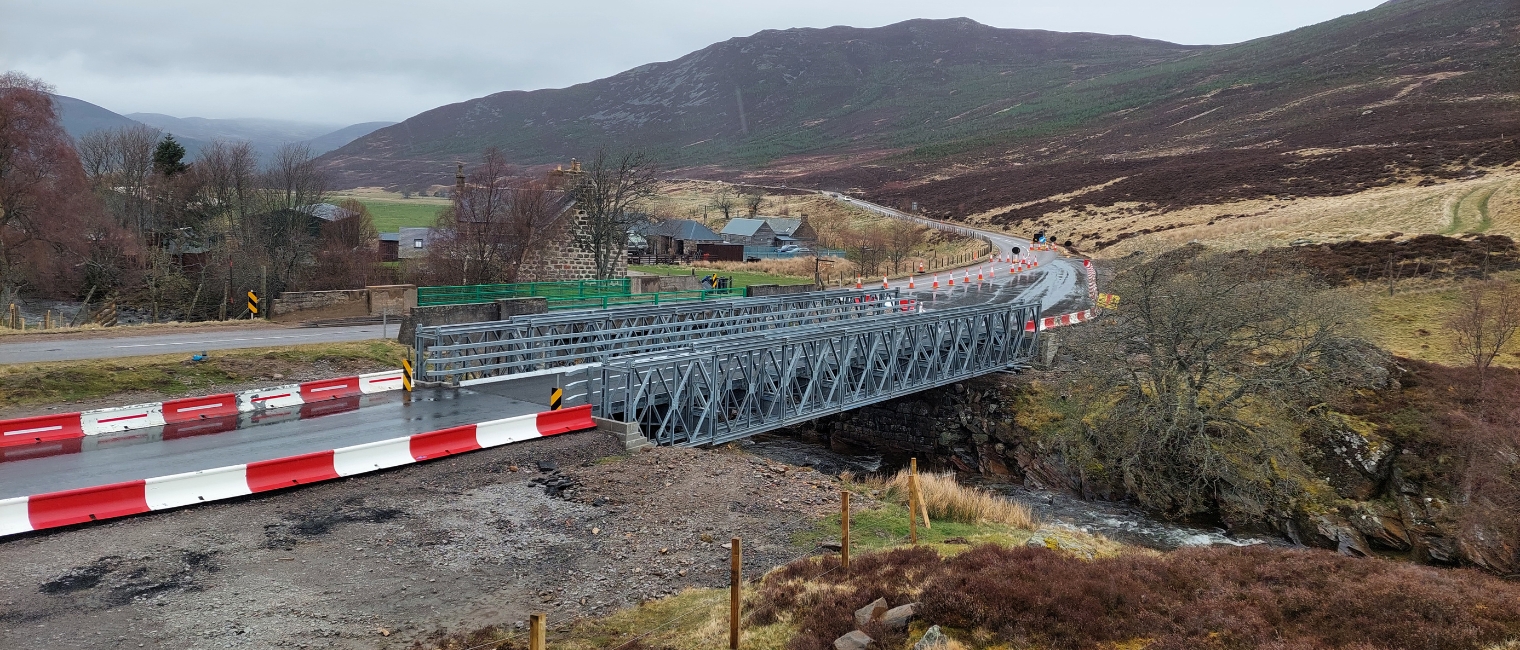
1117 521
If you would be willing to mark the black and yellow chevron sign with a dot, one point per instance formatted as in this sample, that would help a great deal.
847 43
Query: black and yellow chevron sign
253 303
556 399
406 375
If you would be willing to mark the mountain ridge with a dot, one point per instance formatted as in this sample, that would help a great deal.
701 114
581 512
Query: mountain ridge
922 98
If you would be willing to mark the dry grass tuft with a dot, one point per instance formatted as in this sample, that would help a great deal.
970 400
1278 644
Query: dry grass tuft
948 499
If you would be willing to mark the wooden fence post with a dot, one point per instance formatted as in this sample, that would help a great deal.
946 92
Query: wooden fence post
735 577
537 635
912 502
844 531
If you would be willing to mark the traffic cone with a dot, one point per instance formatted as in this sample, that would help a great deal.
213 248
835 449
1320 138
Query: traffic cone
858 284
910 283
952 278
920 267
992 272
980 276
884 282
936 282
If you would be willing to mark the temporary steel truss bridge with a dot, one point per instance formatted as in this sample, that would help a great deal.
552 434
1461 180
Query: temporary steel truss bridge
710 373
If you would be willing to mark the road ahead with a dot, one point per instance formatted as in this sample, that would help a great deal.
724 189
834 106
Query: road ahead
188 342
1058 284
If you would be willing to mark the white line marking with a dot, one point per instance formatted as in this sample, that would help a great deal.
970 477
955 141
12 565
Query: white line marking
55 427
257 338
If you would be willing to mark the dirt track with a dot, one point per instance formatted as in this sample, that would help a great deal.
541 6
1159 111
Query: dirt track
382 560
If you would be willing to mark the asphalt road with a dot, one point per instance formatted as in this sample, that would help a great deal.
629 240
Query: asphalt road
1058 284
187 342
394 415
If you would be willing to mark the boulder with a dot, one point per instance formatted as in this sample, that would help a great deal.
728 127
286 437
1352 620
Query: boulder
871 612
854 640
933 639
1345 537
897 618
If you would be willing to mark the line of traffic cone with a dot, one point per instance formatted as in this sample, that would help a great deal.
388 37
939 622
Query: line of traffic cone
936 282
884 282
910 283
858 284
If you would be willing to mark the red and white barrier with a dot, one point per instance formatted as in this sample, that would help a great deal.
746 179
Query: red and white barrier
1059 321
24 431
54 509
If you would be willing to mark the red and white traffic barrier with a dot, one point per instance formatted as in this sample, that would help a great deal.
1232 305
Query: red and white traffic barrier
24 431
1059 321
54 509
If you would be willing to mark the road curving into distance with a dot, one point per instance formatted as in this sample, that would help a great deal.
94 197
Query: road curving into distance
1058 284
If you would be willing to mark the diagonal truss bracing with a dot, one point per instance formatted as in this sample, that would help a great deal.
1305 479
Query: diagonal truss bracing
493 351
712 393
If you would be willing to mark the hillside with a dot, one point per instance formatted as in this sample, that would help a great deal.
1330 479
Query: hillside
1412 92
748 101
968 119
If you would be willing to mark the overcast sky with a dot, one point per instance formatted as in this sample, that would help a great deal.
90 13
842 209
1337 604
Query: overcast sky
346 61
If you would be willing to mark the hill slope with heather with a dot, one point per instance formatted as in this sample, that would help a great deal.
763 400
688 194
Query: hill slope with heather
967 119
748 101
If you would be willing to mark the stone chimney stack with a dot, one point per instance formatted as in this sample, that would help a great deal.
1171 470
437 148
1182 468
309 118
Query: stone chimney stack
458 180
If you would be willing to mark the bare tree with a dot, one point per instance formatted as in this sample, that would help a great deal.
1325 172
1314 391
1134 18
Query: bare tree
1194 386
902 237
610 193
1484 324
724 202
869 252
752 203
495 226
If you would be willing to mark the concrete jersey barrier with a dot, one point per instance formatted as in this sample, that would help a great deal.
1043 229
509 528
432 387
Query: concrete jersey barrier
69 507
64 426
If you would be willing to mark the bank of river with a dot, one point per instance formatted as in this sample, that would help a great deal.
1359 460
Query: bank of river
1116 521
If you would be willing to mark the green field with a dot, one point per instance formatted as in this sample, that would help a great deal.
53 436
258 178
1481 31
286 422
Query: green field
391 212
740 278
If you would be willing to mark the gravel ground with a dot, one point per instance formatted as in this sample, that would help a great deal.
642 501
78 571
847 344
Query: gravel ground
568 525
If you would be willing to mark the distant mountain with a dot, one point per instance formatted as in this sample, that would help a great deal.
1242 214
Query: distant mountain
747 101
325 143
80 117
889 108
265 135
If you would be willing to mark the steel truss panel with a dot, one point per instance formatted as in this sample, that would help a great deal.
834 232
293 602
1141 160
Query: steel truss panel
718 393
536 343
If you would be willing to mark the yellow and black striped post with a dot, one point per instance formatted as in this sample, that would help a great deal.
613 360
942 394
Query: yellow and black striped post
556 399
406 375
253 304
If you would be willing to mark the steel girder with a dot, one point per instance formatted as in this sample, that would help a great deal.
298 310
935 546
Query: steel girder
724 392
493 351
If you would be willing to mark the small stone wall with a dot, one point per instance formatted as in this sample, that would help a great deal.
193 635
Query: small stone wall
463 314
393 299
762 290
333 304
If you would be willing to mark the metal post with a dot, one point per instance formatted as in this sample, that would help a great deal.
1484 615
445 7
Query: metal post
735 576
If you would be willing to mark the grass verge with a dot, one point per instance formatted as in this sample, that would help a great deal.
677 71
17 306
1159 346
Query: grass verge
173 375
741 278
